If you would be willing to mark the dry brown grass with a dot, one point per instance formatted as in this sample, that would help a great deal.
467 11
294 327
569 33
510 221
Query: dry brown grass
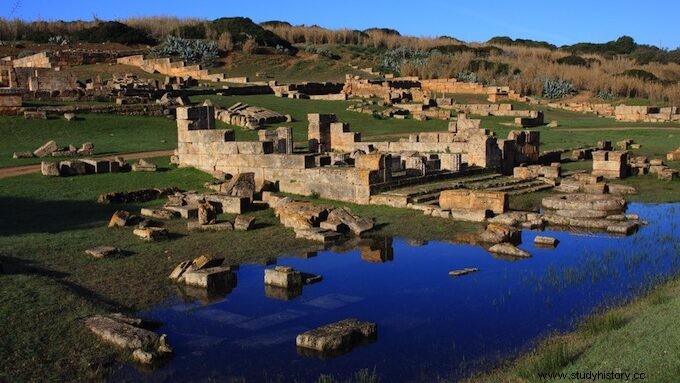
159 26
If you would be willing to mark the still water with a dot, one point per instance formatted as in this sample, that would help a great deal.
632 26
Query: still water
429 324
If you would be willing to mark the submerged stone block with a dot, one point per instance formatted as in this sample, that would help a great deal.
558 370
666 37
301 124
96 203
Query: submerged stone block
337 336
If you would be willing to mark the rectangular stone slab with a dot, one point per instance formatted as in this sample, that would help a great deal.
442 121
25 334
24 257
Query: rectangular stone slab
337 336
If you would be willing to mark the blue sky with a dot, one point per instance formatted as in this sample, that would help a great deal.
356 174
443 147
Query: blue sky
560 22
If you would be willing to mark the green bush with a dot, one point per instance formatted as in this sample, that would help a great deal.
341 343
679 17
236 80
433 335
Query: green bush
113 32
196 31
496 67
505 40
242 29
573 60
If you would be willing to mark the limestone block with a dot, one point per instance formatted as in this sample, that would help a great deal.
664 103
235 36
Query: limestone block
337 336
282 276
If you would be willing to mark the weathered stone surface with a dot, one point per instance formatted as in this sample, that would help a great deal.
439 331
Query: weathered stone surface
206 261
474 199
241 185
469 215
318 234
186 211
584 202
47 149
461 272
356 224
50 169
120 218
624 228
122 334
206 213
509 249
301 214
619 189
219 226
144 166
209 278
159 213
125 333
142 195
497 233
72 168
103 251
151 233
282 276
17 155
337 336
545 241
244 222
69 116
178 271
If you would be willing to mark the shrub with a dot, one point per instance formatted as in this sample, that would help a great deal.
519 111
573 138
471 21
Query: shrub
250 46
224 42
196 31
557 88
58 39
193 51
243 29
25 53
606 94
573 60
113 32
467 77
393 59
496 67
640 74
322 51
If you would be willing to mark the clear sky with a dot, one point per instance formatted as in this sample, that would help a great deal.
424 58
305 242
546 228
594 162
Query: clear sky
654 22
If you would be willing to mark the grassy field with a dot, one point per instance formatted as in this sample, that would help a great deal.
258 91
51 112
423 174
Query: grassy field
49 283
110 134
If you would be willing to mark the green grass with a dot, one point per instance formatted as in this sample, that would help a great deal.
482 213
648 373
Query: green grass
641 336
109 133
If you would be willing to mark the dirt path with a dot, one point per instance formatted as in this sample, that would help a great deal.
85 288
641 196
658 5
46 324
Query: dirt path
27 169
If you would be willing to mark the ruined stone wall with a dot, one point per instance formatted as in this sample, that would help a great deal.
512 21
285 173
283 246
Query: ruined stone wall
602 109
474 200
203 147
171 68
43 79
38 60
610 164
646 113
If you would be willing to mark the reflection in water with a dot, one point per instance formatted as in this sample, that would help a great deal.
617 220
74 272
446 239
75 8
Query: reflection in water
282 293
376 250
216 291
431 325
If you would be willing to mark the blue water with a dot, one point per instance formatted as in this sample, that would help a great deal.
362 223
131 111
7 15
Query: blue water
429 324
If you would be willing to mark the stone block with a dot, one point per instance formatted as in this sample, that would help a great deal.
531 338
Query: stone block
282 276
337 336
151 233
47 149
212 278
244 222
50 169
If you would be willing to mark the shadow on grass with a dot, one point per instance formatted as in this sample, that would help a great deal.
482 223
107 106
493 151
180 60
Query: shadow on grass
13 265
26 215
